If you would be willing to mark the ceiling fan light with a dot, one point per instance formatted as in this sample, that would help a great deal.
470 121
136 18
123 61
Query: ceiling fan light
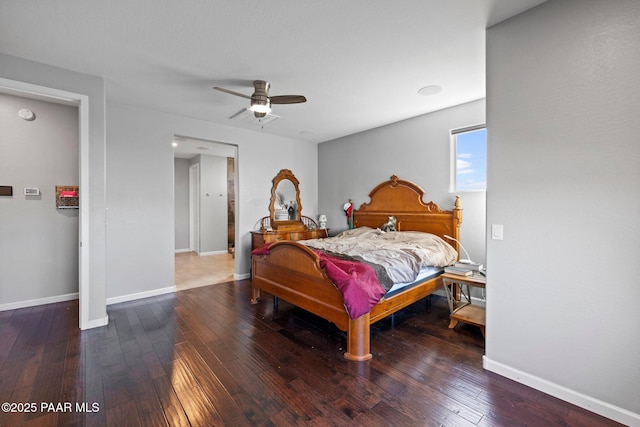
260 108
260 104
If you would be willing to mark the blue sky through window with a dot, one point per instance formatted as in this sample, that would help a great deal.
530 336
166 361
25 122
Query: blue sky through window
471 160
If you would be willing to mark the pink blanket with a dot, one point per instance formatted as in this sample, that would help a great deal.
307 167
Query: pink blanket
357 281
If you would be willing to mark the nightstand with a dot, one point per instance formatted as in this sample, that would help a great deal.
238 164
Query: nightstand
461 309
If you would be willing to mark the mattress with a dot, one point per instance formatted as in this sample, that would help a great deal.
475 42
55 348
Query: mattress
425 273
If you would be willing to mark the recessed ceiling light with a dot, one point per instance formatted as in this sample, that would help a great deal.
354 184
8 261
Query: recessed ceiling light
430 90
307 133
175 144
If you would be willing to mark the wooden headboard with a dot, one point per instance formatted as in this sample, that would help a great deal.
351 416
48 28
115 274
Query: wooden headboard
404 200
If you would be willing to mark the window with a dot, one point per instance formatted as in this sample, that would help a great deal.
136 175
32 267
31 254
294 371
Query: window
469 171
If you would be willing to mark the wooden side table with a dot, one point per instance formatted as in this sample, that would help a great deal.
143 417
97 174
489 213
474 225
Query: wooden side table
463 310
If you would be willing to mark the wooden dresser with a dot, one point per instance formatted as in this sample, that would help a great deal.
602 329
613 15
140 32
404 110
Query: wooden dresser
261 237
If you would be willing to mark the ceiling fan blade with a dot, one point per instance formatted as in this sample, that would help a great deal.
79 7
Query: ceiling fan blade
287 99
221 89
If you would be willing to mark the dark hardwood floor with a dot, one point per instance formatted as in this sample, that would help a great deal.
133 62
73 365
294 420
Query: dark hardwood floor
206 356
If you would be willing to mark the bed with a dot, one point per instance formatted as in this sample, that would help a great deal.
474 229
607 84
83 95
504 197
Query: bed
292 271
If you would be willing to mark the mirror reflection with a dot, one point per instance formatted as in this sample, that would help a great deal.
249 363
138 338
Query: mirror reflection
286 200
285 208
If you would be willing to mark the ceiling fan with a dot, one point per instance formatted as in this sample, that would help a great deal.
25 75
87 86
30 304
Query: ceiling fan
260 99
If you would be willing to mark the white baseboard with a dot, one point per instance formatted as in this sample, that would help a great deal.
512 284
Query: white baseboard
96 323
587 402
183 250
241 276
140 295
226 251
39 301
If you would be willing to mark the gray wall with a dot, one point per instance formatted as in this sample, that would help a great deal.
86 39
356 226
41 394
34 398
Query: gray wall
39 243
563 86
417 150
140 192
212 204
181 205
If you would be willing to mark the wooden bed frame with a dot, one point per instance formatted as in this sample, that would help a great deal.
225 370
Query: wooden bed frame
292 271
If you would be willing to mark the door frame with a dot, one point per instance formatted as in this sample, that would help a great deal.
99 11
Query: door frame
194 208
84 254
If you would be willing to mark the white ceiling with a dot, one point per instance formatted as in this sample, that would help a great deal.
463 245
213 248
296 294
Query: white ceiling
360 63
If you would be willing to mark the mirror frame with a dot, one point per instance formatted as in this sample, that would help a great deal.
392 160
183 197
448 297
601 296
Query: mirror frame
297 224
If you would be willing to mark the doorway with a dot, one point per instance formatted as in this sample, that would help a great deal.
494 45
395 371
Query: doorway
29 90
205 194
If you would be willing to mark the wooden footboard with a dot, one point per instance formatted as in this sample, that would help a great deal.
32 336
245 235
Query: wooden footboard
292 271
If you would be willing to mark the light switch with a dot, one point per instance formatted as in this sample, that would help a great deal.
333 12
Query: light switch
496 231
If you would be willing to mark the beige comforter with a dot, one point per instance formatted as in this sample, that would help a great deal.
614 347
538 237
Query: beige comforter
401 253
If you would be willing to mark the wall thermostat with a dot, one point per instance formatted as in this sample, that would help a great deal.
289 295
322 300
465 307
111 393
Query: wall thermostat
32 191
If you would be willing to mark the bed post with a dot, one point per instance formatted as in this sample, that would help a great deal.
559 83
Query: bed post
255 295
255 292
457 218
358 339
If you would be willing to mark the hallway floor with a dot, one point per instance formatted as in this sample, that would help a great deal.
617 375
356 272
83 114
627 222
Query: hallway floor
193 271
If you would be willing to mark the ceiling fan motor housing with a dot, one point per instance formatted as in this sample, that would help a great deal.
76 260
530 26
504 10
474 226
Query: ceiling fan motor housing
261 87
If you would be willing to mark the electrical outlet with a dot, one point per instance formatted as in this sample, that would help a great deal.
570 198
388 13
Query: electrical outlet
497 231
